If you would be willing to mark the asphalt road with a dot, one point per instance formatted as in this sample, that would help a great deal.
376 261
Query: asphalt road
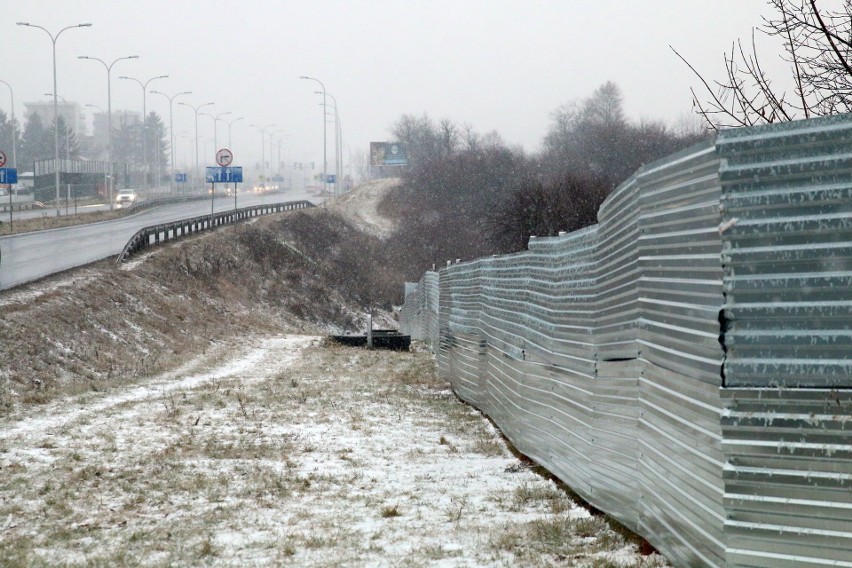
30 256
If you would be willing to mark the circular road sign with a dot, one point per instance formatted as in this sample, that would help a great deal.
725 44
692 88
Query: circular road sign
2 159
224 157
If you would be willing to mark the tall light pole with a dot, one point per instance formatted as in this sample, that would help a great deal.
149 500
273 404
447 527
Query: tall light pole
144 86
189 145
262 144
195 109
277 134
338 148
230 146
172 134
324 159
14 153
108 67
67 154
216 120
53 39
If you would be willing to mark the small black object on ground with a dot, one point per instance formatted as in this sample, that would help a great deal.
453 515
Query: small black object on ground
381 338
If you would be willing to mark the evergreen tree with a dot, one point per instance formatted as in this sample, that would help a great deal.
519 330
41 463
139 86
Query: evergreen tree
36 143
69 147
6 127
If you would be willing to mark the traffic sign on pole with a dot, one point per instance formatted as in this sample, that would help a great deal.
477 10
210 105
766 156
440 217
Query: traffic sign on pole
224 157
8 175
2 159
225 174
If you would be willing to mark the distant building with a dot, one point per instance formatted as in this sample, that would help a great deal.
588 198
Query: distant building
69 111
120 119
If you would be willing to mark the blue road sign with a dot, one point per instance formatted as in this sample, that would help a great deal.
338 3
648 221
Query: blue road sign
8 175
330 178
228 174
180 178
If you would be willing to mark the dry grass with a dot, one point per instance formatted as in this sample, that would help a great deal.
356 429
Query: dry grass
98 326
326 456
49 220
155 416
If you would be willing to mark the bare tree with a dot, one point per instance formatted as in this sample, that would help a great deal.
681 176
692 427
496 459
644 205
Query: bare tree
817 47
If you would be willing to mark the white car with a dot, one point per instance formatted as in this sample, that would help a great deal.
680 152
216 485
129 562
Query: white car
125 197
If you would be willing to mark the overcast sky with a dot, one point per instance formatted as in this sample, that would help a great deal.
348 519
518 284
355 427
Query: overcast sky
501 65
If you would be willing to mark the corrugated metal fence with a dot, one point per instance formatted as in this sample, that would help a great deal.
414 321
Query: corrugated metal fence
685 363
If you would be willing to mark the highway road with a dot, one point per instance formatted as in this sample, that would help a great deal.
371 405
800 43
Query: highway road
29 256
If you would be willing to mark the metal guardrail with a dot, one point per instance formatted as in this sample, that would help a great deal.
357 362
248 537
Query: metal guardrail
157 201
156 234
684 364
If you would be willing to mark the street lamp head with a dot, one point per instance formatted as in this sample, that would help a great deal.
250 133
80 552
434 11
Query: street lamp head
86 25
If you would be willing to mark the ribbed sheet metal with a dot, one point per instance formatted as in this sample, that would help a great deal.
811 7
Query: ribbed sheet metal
787 197
419 314
788 478
609 355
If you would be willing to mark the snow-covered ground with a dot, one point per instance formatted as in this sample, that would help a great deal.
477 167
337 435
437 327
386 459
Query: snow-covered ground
360 206
280 450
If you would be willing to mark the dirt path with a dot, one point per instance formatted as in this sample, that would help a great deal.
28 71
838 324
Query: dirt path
282 451
360 206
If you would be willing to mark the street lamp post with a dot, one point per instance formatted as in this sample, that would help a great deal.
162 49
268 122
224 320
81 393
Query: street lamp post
216 120
338 148
53 39
230 146
108 67
195 109
278 135
144 86
262 144
14 154
324 159
172 134
67 154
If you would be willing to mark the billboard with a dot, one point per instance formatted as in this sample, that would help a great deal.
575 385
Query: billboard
388 154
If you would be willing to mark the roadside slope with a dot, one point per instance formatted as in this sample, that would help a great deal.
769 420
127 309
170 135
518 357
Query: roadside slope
360 206
283 451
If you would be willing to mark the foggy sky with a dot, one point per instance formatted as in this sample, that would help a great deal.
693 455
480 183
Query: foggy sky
494 64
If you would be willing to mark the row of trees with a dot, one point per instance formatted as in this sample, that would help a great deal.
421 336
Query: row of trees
36 142
467 195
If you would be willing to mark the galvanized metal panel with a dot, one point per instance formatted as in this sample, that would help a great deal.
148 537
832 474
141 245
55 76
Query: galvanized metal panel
788 477
787 213
608 355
